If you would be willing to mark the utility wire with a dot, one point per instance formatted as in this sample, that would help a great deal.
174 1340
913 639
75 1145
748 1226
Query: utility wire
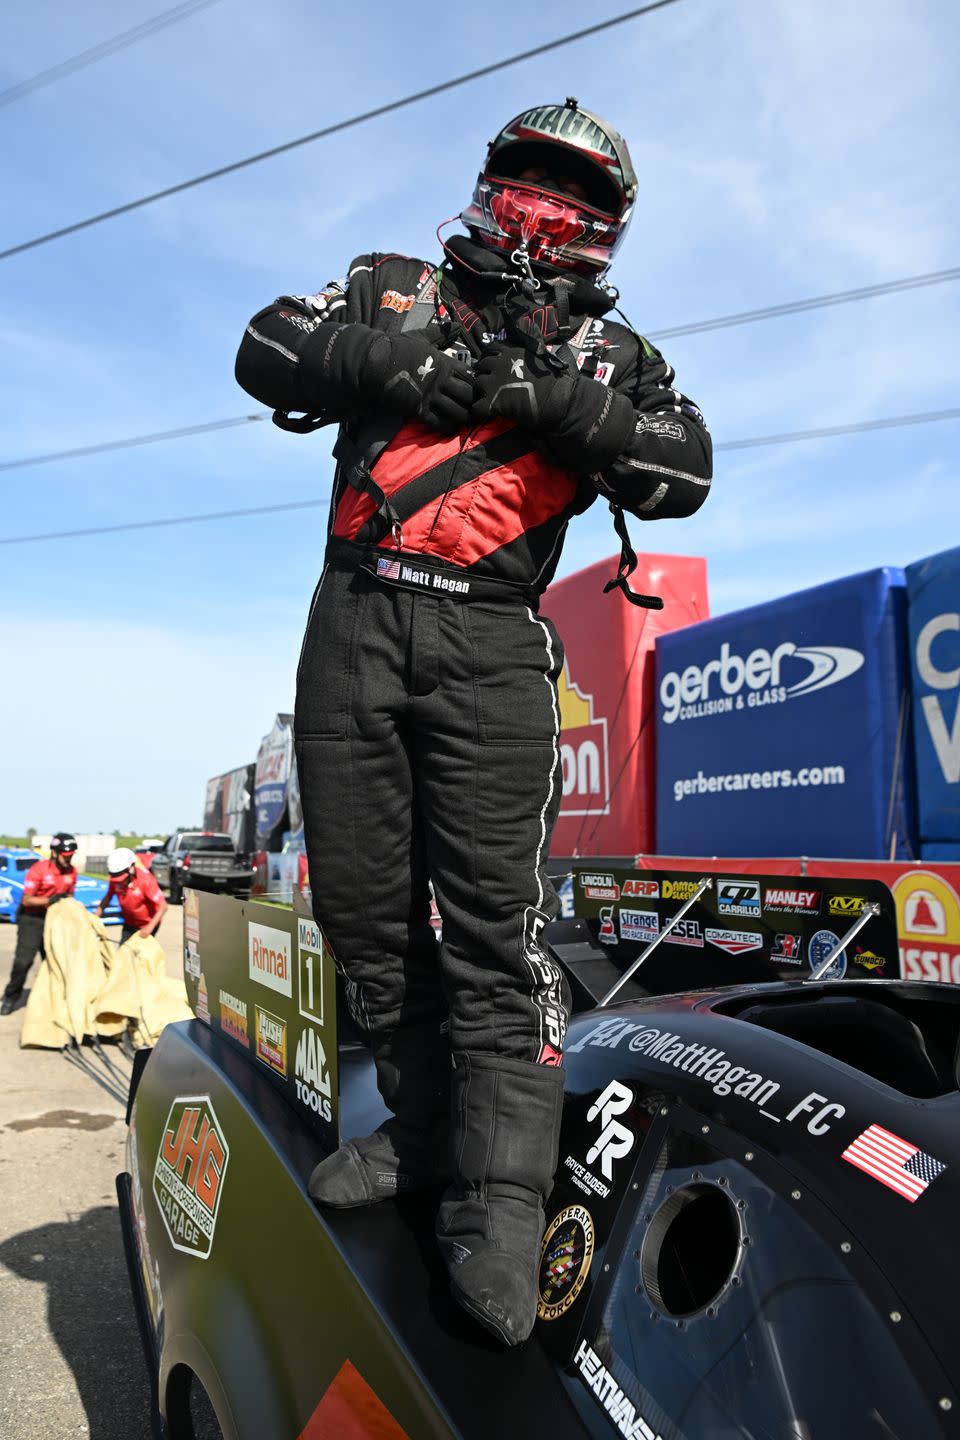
787 437
816 302
106 47
784 439
334 129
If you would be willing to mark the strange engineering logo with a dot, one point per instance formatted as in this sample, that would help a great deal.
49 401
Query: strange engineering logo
690 695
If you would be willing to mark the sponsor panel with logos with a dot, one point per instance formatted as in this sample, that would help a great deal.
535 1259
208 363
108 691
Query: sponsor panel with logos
746 927
268 986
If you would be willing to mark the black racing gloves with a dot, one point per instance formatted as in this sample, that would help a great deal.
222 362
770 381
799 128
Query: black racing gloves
354 364
581 423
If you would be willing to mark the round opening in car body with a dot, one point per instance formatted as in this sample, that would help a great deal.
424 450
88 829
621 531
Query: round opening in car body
691 1250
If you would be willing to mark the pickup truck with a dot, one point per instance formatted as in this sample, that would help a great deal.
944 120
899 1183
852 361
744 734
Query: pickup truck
750 1236
202 859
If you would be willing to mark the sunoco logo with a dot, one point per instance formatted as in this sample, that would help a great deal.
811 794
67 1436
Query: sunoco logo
188 1175
730 681
269 956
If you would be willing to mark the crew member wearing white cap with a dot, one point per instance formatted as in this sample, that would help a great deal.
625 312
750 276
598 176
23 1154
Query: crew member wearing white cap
139 896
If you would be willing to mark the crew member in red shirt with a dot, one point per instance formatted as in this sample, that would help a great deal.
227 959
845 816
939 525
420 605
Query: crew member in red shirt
46 881
139 896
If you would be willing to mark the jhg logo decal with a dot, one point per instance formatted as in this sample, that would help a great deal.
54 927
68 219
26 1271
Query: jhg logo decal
614 1140
691 695
188 1175
583 752
269 957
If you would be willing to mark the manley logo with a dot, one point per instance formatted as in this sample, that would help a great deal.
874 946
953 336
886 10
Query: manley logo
583 752
188 1175
269 956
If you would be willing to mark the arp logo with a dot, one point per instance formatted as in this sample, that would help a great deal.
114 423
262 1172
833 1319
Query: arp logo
848 906
641 889
188 1175
615 1140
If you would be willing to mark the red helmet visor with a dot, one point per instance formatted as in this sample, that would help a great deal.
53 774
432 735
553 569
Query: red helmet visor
530 215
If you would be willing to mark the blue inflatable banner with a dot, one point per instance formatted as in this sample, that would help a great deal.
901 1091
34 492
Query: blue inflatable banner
933 594
782 729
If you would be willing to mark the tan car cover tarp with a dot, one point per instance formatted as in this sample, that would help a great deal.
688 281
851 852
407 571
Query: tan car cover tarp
87 985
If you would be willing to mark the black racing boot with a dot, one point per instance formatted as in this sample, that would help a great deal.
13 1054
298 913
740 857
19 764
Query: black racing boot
505 1129
406 1152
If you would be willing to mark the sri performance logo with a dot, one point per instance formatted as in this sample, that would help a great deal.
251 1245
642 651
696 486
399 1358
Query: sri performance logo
718 687
564 1261
188 1176
583 752
269 958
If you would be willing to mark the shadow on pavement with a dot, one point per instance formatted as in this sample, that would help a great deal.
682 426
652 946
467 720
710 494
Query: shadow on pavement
90 1315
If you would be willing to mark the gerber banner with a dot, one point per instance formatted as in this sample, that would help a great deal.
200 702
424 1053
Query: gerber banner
782 729
933 595
274 760
607 698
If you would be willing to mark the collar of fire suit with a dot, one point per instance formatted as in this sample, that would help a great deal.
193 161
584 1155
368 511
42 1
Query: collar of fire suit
585 297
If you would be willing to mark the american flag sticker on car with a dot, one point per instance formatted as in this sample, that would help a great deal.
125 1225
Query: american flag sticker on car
894 1162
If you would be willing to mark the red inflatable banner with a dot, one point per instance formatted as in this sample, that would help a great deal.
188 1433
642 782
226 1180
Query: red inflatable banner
607 694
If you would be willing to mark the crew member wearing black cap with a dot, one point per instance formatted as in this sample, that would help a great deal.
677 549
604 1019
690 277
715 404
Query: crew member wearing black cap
483 402
46 881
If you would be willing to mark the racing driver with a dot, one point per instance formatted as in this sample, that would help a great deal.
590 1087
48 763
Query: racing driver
44 883
481 403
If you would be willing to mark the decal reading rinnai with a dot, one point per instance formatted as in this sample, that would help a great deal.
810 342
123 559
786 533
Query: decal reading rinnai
188 1175
269 958
564 1261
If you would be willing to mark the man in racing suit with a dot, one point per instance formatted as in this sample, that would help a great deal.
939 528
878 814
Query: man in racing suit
481 405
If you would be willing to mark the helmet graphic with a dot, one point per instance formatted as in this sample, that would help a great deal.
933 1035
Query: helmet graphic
560 181
119 861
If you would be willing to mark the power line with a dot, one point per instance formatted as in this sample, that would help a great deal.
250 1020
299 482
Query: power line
105 445
816 302
121 41
824 433
786 437
334 129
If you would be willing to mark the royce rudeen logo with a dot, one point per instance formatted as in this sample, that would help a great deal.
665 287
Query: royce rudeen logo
188 1175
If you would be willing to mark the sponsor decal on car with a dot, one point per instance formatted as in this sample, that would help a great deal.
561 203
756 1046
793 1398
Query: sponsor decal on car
821 944
796 902
310 954
599 887
203 1000
869 959
895 1162
739 897
271 1033
711 1065
678 889
233 1017
189 1173
639 924
311 1076
191 919
608 931
686 932
641 889
787 948
615 1139
847 906
565 1258
618 1405
269 958
734 942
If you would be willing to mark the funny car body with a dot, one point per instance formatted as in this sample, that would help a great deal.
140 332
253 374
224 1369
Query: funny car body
750 1236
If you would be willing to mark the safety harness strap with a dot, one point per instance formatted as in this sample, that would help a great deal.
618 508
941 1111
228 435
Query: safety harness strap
628 563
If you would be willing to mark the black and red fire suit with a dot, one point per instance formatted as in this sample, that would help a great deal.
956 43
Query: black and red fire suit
426 715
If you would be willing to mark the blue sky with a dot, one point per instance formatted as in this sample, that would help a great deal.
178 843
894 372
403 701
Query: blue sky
783 149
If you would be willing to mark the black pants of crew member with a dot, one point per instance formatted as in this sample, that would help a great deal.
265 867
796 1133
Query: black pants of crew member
29 944
427 748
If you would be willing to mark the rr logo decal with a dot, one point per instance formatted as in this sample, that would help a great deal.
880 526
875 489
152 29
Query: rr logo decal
615 1140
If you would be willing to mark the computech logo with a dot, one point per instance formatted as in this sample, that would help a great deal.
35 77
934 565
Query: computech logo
189 1173
734 942
732 682
584 752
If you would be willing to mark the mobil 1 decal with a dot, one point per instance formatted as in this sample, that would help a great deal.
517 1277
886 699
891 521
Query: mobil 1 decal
743 928
314 1071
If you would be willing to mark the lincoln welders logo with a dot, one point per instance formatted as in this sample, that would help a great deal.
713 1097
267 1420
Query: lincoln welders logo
188 1175
564 1261
583 752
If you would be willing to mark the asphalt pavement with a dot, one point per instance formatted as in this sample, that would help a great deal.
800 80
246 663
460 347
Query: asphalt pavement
71 1362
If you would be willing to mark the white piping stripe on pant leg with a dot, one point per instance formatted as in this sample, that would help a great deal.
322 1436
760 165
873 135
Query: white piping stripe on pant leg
556 753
